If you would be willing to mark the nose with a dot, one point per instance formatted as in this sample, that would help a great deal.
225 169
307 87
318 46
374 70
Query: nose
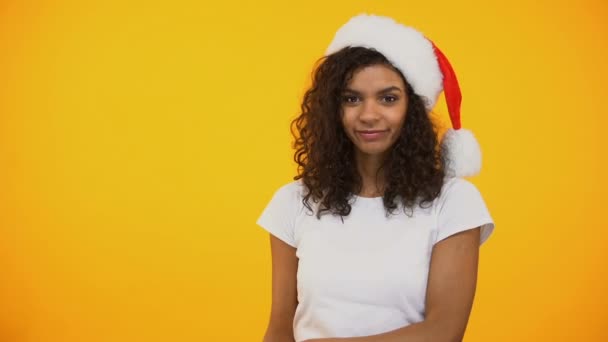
370 112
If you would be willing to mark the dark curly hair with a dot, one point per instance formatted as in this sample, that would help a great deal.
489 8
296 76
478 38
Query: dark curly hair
414 169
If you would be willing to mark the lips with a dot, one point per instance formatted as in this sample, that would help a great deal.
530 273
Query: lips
372 135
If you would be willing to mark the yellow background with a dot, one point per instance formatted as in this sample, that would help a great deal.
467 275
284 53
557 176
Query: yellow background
139 141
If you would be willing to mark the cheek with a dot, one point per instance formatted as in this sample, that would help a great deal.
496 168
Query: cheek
347 118
398 116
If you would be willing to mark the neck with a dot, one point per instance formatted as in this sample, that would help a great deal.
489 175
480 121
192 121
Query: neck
372 182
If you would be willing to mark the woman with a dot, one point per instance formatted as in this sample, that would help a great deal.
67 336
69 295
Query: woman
377 239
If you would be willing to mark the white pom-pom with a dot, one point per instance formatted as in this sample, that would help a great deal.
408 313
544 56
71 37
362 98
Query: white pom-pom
463 157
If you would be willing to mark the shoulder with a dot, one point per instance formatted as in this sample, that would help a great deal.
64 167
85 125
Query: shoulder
457 183
461 206
279 215
456 188
288 197
291 190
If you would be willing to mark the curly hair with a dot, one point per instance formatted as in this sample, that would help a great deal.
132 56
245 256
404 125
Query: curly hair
414 169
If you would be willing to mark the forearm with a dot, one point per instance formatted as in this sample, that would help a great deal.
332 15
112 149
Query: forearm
278 337
279 330
425 331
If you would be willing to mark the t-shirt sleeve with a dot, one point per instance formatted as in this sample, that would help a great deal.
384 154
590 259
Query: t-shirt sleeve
461 208
278 218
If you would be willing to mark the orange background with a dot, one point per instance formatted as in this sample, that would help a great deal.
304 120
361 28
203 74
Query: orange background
139 141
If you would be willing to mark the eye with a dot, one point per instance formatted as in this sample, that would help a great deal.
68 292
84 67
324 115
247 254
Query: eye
390 98
350 99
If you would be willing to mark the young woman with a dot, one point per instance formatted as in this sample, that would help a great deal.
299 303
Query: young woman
377 239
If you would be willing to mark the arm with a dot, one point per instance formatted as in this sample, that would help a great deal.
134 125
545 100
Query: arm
284 292
449 298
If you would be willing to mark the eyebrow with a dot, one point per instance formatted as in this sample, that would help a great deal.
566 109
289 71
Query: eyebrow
383 91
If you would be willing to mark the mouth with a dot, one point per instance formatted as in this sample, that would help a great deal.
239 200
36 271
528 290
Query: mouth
372 135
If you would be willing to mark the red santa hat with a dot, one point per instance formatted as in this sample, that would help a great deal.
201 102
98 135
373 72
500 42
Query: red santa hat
426 69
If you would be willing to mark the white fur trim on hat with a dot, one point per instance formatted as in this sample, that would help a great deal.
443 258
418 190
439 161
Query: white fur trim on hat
406 48
463 155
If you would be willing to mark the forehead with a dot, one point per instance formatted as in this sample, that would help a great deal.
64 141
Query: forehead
374 77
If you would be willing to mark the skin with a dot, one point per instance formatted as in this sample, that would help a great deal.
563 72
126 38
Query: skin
367 105
284 292
375 99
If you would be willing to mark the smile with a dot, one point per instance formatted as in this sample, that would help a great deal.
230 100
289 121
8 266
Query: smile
372 135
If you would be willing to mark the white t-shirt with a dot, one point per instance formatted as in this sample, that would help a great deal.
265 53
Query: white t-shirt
367 275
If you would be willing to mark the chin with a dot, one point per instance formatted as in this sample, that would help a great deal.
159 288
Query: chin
373 150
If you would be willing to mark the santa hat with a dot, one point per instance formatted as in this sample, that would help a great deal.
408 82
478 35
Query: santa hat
426 69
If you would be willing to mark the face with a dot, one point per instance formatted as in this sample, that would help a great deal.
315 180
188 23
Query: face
374 104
